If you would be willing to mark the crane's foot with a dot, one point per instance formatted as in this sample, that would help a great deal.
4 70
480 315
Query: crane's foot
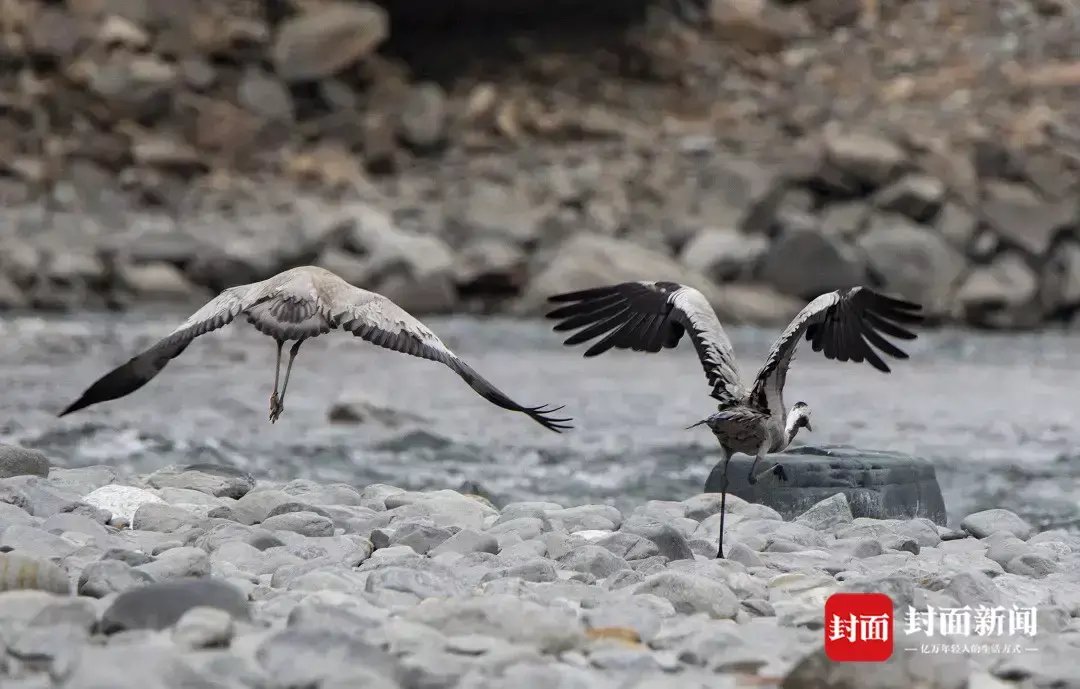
276 407
776 470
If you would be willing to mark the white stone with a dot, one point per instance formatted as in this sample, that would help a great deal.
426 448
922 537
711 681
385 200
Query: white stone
122 501
593 534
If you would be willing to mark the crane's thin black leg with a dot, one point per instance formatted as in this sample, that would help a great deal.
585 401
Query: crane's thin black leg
285 384
723 501
274 402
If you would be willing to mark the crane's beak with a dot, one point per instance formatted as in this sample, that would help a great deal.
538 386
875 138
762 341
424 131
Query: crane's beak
809 427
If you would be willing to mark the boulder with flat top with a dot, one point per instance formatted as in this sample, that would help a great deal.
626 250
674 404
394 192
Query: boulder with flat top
877 483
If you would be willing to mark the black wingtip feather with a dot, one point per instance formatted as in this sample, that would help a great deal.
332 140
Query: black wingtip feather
898 303
582 308
78 404
581 295
492 394
122 380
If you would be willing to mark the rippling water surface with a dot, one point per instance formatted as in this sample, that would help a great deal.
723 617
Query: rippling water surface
998 414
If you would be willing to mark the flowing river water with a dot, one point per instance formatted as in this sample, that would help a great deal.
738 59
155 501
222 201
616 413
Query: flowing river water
999 415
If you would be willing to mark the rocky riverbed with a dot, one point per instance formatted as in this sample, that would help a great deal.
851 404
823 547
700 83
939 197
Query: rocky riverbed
205 576
765 151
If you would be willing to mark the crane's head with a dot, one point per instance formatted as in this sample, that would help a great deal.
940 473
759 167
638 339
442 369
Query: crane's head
798 417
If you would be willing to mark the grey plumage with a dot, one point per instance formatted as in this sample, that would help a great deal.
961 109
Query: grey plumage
299 304
844 325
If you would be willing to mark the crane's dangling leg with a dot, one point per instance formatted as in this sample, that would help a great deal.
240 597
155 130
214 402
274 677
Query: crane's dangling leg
274 403
750 478
723 500
285 384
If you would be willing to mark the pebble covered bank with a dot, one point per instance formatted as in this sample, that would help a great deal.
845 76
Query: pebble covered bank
202 576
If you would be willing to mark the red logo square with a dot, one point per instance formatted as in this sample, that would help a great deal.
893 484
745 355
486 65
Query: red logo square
858 627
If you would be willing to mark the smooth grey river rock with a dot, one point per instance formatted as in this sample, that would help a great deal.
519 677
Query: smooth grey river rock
828 513
99 579
303 523
157 606
596 560
501 615
20 461
689 594
309 657
203 627
212 479
877 484
24 572
902 671
467 541
987 522
178 563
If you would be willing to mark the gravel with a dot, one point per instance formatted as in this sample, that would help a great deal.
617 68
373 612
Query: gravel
446 590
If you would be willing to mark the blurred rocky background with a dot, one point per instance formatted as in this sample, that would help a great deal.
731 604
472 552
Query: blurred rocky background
479 155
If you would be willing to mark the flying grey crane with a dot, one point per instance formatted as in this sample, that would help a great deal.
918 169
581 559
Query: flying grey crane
299 304
845 325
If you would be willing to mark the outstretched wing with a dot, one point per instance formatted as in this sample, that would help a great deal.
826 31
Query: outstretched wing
382 322
646 317
845 325
140 369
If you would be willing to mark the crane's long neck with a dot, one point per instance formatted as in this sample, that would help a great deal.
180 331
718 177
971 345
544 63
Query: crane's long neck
791 427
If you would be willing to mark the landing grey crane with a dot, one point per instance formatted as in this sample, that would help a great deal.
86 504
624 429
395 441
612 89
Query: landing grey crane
845 325
299 304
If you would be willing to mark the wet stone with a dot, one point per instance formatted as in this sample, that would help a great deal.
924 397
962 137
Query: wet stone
462 512
669 541
20 461
20 571
690 594
504 616
420 537
973 588
828 513
1002 546
535 570
178 563
257 505
303 523
203 627
586 517
418 583
987 522
30 540
467 541
308 657
219 481
593 559
525 528
1032 565
152 516
628 546
160 605
99 579
295 506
